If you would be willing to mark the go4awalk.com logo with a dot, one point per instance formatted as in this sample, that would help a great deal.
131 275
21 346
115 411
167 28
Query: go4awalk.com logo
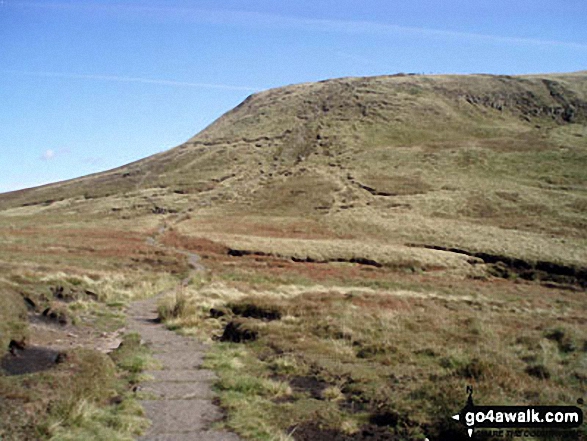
517 421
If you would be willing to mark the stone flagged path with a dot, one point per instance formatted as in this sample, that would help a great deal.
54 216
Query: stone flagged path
182 407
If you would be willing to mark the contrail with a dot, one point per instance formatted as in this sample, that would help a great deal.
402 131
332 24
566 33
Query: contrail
124 79
258 19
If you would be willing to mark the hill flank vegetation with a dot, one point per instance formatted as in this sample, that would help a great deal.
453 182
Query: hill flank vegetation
372 245
483 163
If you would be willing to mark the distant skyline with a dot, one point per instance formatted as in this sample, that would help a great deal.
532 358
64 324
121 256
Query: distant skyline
86 86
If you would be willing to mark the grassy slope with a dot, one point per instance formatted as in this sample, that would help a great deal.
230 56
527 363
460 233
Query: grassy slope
485 163
357 168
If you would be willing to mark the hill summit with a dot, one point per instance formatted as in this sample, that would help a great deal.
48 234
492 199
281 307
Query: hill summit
344 120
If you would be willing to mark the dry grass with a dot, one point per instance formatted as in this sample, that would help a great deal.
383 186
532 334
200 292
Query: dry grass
349 250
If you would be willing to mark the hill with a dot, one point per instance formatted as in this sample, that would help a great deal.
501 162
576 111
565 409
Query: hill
335 120
486 163
371 246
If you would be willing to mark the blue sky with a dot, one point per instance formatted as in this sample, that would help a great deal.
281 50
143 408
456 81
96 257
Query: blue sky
90 85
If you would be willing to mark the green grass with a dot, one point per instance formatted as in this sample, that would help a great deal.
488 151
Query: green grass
247 392
133 358
82 415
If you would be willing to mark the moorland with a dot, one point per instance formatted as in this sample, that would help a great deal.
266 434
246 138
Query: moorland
371 247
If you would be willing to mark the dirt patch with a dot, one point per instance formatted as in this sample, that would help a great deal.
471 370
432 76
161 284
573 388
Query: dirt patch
310 385
218 312
360 260
252 310
507 267
538 371
385 185
238 332
386 419
55 315
30 360
69 295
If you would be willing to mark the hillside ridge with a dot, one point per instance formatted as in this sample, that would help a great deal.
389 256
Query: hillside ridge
328 117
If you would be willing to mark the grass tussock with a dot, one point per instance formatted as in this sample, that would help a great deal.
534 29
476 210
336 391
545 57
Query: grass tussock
112 287
88 396
132 357
13 317
245 385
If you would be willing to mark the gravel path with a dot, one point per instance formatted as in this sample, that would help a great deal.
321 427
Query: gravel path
182 407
